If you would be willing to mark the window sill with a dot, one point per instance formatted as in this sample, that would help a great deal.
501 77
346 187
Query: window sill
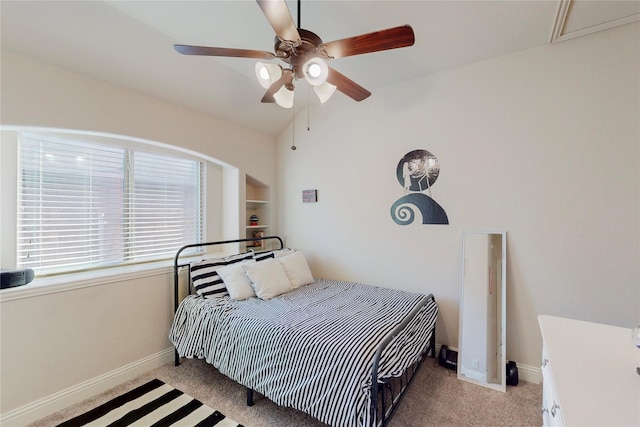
69 282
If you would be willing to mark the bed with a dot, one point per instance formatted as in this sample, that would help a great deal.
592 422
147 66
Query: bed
344 353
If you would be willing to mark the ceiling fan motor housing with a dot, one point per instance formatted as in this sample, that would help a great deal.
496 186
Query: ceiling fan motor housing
298 55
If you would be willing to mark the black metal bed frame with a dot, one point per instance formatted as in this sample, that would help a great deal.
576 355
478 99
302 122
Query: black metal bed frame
386 394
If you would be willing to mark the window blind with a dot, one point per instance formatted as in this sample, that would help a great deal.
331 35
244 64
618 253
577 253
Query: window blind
83 205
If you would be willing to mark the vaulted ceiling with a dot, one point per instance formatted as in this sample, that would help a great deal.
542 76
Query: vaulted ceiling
130 43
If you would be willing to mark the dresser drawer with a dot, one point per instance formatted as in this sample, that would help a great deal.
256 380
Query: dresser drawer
551 410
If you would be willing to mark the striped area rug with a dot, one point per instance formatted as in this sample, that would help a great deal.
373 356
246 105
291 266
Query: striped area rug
154 404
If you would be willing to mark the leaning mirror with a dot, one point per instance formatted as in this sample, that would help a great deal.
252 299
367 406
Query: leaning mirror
481 345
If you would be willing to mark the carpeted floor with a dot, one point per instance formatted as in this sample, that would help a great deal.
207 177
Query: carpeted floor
435 398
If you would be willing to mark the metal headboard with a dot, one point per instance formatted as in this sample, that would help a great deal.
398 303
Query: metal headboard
177 266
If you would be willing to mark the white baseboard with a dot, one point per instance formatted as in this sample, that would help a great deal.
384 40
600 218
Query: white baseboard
63 399
530 374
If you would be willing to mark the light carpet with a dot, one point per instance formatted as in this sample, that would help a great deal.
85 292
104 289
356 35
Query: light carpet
435 398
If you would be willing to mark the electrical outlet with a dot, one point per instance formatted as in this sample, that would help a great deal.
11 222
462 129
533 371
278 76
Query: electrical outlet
475 364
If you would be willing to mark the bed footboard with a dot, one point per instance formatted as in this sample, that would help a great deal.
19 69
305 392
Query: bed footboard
387 394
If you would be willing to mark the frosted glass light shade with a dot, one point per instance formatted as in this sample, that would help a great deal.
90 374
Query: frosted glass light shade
267 74
316 71
324 91
284 97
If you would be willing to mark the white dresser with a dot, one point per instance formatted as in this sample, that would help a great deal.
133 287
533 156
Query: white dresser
589 374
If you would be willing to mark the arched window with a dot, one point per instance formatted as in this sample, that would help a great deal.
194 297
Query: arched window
84 204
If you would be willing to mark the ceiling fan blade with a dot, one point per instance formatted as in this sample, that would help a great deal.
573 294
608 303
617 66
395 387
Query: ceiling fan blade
286 77
278 15
391 38
222 51
347 86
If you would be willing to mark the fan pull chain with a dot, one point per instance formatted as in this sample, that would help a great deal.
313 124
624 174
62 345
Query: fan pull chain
308 107
293 129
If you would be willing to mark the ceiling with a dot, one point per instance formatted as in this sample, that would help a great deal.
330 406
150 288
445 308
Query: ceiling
130 43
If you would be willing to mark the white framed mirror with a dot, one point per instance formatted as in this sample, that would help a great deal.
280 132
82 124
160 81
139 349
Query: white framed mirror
482 334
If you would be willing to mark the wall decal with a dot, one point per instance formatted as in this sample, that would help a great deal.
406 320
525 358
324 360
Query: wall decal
416 172
309 196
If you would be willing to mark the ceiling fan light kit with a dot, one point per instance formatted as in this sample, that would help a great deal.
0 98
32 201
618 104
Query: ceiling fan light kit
284 97
315 71
306 56
324 91
268 74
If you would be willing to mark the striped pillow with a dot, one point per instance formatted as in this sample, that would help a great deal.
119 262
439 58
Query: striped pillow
261 256
205 278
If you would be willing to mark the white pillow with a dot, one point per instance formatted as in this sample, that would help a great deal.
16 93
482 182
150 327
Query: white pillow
237 283
268 278
296 268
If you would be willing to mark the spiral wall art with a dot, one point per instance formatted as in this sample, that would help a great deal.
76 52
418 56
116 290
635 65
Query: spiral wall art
416 172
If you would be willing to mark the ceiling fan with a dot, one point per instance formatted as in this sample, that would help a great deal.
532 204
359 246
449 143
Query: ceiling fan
304 54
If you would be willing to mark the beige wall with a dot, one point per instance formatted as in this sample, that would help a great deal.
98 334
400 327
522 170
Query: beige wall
543 144
54 342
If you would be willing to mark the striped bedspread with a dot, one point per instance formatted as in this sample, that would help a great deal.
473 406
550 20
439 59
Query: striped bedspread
310 349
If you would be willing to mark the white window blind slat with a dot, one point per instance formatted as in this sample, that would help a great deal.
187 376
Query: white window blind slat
83 205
